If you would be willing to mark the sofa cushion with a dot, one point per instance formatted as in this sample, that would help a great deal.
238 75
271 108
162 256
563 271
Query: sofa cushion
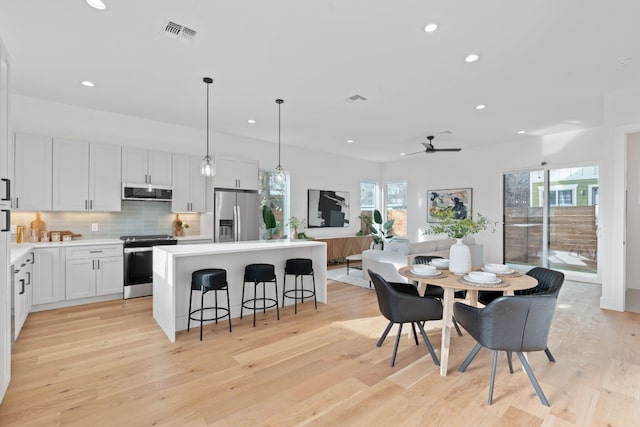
398 247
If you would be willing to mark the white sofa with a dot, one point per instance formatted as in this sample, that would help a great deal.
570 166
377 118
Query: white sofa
386 262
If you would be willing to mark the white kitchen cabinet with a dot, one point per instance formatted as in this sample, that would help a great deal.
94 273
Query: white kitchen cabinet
140 166
189 185
48 286
236 173
86 177
5 211
5 132
22 294
32 172
93 271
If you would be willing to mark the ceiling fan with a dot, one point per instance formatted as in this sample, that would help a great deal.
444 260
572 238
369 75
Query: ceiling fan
429 148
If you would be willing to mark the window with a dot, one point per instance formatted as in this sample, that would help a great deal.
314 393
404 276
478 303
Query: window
396 206
368 202
275 195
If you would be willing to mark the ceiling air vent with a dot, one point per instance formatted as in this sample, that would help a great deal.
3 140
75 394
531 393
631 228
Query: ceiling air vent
356 98
177 31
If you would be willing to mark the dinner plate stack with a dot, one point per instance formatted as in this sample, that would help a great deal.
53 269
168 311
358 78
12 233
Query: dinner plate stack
481 277
424 270
500 269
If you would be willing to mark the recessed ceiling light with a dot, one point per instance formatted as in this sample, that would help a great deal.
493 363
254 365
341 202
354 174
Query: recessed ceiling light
87 83
472 57
349 141
251 121
480 107
520 132
403 154
97 4
430 28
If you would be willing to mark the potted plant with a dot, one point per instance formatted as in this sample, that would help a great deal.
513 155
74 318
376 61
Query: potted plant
294 223
380 231
458 229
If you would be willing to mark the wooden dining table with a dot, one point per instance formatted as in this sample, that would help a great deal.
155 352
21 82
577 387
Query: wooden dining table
451 282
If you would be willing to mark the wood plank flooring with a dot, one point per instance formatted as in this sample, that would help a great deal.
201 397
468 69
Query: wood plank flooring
108 364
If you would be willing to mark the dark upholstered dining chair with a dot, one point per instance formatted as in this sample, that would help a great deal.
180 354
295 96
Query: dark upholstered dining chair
400 303
512 324
549 283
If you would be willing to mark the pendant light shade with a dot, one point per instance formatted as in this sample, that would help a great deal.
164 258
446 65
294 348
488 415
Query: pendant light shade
207 166
280 172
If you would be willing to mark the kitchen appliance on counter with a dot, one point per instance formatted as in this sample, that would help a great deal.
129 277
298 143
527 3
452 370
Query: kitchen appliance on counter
236 216
138 262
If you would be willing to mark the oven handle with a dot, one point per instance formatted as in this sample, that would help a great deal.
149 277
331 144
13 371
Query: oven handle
132 250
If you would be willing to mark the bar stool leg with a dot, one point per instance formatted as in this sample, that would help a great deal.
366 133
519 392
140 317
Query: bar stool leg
229 308
275 283
295 294
242 300
189 317
313 278
255 297
216 300
201 310
284 288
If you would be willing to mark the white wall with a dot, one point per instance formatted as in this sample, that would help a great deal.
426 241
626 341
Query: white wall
621 118
481 169
307 168
633 210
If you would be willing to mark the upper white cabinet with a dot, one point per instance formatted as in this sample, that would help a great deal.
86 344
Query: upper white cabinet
5 135
189 185
140 166
32 172
85 176
236 173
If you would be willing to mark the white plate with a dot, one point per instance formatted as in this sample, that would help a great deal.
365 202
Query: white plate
482 282
501 272
437 273
439 267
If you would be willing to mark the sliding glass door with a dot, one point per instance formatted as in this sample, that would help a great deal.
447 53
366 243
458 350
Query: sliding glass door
550 218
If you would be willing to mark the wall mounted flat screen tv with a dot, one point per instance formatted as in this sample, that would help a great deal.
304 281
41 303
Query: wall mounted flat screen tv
328 209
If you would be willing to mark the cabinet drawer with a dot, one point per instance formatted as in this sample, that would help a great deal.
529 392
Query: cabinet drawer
81 252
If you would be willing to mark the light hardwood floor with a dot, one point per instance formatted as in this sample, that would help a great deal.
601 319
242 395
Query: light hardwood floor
108 364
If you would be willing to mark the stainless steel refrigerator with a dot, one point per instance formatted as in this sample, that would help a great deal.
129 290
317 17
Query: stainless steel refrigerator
236 216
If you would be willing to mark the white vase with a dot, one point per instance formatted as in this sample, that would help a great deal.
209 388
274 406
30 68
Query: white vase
459 258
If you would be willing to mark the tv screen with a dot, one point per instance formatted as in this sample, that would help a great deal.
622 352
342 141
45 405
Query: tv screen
328 209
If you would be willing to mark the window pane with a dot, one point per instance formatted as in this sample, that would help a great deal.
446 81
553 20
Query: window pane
523 217
275 195
396 208
368 202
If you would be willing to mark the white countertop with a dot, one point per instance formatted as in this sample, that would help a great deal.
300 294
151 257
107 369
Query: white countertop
217 248
18 250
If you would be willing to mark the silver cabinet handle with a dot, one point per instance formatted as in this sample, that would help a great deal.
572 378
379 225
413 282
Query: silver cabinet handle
29 277
95 252
93 264
22 282
98 264
91 204
86 205
17 202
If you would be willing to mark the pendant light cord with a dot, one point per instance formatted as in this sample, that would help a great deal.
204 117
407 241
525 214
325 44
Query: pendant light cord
207 118
279 102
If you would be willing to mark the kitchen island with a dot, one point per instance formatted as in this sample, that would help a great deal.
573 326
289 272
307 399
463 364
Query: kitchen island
173 265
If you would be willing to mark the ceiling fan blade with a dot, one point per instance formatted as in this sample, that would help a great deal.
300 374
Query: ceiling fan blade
411 154
447 149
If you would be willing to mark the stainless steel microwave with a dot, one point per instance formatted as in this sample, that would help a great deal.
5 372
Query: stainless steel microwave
155 193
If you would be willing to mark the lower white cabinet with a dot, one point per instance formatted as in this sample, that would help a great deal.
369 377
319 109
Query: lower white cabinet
23 293
93 271
47 281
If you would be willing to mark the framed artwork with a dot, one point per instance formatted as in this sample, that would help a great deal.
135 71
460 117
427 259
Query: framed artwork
457 199
327 209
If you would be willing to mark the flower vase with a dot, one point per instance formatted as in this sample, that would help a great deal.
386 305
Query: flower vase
459 258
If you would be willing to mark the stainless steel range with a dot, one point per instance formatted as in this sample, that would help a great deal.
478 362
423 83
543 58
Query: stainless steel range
138 263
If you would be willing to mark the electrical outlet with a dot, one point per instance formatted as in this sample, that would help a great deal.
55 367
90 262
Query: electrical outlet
94 227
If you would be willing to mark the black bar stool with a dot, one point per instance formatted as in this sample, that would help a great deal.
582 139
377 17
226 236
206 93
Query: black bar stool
299 267
259 274
206 280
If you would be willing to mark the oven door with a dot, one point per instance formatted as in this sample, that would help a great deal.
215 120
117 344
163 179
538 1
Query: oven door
138 266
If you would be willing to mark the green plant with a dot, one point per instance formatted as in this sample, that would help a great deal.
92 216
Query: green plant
270 222
458 228
365 221
380 231
294 223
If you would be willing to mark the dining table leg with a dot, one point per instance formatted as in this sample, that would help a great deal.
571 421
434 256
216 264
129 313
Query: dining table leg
447 323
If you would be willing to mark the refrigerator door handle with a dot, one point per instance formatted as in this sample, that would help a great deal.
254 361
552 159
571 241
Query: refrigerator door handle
236 220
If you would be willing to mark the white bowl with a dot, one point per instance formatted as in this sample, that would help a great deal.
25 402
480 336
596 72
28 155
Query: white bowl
440 262
496 268
481 276
424 269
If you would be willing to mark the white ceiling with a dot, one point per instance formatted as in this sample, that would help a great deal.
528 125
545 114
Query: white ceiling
544 66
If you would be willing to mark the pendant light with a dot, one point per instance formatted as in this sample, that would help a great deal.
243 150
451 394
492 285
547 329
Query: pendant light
207 166
280 173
